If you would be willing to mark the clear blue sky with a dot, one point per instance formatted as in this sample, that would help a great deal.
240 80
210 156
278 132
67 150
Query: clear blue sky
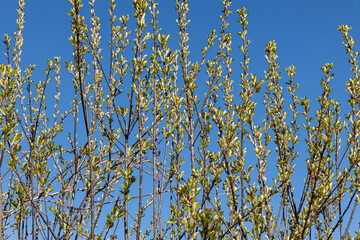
305 31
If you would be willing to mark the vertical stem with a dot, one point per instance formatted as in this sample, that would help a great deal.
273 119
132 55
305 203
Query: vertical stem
155 160
126 215
139 64
155 112
1 205
140 162
1 199
31 190
92 193
155 219
79 53
139 110
182 9
191 134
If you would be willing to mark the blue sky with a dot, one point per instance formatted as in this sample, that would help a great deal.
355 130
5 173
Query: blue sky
305 31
